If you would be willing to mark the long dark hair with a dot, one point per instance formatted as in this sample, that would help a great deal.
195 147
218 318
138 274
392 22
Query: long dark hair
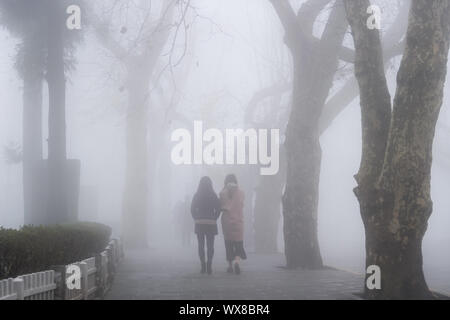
205 187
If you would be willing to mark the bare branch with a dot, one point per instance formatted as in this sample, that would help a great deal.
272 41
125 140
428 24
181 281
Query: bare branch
261 95
394 46
103 34
294 37
309 12
374 92
159 35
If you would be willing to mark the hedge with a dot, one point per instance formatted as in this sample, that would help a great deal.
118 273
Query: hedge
34 249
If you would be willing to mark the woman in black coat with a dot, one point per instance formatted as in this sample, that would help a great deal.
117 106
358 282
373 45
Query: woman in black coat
205 209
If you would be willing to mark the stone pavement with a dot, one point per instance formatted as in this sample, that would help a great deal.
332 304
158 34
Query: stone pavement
158 274
438 278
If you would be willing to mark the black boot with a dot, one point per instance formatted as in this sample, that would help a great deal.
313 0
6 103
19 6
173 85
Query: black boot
203 270
209 267
237 269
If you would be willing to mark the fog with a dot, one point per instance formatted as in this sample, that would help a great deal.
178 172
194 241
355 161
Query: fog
233 49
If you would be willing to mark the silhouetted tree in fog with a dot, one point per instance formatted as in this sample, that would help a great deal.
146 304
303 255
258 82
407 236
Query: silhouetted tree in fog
26 20
140 58
313 110
268 189
42 54
315 64
57 205
394 178
63 175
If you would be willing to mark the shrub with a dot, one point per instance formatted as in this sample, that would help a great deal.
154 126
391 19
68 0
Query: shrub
33 249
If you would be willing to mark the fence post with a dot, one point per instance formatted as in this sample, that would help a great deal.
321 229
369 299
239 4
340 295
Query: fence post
113 252
60 280
19 288
111 264
105 268
99 276
84 279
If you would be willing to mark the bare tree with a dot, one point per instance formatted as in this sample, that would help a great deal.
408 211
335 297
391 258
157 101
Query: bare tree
140 59
394 178
315 64
314 108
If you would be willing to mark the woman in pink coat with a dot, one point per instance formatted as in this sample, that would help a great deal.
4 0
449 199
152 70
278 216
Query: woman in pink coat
232 202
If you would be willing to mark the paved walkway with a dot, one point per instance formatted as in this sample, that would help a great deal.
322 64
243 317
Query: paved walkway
168 274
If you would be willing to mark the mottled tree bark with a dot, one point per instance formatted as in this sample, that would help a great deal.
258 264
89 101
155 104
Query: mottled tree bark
314 70
394 178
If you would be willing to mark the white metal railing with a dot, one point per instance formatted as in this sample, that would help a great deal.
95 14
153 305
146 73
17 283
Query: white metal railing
7 290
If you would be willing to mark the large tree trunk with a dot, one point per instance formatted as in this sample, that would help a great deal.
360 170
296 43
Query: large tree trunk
405 179
314 70
57 198
375 116
32 130
267 213
140 69
269 189
300 200
394 178
135 199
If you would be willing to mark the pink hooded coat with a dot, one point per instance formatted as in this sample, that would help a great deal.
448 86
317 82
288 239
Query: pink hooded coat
232 201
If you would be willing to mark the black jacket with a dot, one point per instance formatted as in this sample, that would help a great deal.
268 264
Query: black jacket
205 206
205 209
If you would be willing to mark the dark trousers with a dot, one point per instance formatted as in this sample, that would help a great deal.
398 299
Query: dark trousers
209 239
235 249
